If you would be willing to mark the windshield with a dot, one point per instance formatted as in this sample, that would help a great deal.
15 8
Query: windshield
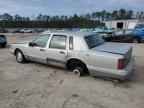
94 40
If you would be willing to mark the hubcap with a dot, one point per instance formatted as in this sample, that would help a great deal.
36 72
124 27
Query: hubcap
19 56
76 72
135 41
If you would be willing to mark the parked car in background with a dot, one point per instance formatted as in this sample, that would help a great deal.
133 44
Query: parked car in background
104 30
3 40
140 34
80 52
127 36
26 31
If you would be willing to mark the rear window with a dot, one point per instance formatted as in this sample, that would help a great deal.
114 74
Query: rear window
94 41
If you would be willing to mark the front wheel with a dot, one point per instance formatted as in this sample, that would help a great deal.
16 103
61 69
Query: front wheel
3 45
135 40
20 57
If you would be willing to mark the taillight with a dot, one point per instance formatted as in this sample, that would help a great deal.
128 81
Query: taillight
121 64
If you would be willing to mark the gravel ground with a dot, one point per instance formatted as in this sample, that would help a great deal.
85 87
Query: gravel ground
34 85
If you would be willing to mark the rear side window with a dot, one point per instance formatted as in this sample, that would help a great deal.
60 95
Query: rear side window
71 43
58 42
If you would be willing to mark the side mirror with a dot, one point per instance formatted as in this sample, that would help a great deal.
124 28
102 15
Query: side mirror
31 44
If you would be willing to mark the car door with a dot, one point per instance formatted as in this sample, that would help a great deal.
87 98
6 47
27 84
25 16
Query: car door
117 37
126 38
121 38
37 52
57 52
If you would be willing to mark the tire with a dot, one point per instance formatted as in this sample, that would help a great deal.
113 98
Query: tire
3 45
20 57
78 71
135 40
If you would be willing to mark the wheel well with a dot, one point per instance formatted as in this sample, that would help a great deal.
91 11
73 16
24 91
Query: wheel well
136 37
73 63
17 49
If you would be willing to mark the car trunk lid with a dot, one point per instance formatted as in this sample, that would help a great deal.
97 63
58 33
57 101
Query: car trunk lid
116 48
111 47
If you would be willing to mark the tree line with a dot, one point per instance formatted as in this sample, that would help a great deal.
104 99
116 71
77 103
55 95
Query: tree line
89 20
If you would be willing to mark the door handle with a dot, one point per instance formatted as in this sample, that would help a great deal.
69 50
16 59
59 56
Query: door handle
42 50
87 54
62 52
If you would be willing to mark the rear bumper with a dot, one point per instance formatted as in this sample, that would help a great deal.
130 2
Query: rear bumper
128 71
117 74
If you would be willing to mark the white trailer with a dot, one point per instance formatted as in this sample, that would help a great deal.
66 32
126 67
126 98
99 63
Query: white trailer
122 24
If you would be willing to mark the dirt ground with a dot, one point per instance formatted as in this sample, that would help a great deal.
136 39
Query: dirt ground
34 85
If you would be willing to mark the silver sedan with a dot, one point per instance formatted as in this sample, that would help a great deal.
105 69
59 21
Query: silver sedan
81 52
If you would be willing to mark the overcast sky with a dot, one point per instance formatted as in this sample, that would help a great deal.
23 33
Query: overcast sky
65 7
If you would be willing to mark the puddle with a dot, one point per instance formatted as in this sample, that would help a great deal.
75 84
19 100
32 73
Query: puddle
121 85
75 101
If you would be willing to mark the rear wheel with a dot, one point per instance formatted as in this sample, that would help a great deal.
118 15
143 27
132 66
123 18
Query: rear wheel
135 40
77 67
20 57
78 71
3 45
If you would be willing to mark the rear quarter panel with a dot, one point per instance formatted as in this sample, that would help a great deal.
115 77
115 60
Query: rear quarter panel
104 60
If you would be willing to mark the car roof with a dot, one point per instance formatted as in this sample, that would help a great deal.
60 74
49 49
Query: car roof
70 33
